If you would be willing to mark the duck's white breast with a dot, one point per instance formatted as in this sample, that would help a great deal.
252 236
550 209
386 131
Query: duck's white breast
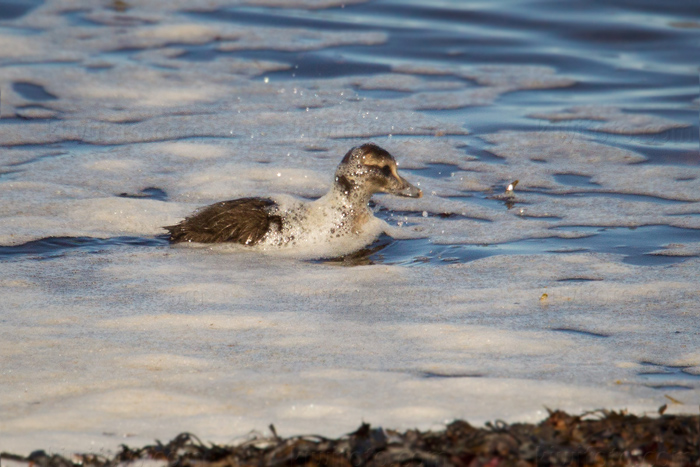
322 228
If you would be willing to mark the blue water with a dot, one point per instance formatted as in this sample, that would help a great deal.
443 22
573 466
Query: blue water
11 9
634 244
639 55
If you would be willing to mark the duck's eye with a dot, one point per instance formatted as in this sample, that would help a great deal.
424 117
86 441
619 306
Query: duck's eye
386 171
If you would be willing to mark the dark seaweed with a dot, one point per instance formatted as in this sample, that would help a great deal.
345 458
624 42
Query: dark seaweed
600 438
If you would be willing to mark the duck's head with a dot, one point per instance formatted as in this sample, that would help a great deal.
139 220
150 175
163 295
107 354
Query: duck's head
369 169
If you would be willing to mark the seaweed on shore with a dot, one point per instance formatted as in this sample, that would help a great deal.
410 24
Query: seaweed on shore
600 438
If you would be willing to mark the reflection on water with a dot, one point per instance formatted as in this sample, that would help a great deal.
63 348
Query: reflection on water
634 244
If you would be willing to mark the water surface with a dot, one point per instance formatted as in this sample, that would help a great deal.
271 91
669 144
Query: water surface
577 291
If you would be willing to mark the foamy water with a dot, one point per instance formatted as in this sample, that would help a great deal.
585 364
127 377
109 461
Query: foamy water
577 292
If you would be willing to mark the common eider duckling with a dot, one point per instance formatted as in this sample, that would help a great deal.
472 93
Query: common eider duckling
340 216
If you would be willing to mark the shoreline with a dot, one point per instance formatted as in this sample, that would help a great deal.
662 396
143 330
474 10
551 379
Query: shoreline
600 437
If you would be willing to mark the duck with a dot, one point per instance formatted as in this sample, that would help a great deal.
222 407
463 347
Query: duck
342 216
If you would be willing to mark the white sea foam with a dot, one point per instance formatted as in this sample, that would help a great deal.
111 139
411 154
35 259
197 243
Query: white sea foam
679 249
153 342
615 120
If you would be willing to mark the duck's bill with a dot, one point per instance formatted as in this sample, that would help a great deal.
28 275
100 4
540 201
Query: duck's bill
407 190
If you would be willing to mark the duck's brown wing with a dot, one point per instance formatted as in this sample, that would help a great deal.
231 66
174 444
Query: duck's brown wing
244 221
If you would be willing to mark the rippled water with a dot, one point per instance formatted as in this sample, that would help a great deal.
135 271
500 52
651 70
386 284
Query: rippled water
579 291
643 64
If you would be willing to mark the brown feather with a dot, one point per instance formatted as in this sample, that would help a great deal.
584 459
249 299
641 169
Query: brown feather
244 221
